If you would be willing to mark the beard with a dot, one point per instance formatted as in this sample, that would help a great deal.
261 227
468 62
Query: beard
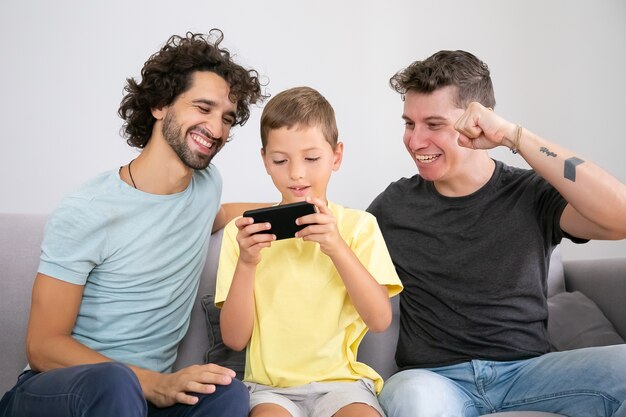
172 132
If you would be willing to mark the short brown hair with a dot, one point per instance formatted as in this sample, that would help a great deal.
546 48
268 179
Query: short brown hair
299 106
448 68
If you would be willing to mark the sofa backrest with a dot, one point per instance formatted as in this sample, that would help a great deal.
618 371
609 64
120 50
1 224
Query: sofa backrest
20 246
20 241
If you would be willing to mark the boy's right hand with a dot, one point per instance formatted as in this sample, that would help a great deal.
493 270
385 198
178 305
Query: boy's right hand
250 241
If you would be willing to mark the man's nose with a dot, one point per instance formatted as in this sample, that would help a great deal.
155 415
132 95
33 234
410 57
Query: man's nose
414 139
215 126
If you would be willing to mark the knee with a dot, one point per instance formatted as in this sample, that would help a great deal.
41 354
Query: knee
420 392
113 386
236 392
111 377
232 400
413 384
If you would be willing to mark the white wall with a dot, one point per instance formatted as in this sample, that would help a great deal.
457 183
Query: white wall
558 69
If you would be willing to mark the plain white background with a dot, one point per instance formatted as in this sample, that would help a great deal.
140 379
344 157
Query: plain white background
557 66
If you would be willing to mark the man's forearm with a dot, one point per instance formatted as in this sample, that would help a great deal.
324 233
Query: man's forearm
590 190
60 352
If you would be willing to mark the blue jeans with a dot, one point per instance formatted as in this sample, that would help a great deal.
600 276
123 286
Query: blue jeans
583 382
105 390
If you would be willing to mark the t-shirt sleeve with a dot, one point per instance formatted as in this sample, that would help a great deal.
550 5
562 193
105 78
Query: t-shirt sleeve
229 254
371 249
74 242
549 206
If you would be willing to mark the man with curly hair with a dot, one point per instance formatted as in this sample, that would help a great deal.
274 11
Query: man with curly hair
122 256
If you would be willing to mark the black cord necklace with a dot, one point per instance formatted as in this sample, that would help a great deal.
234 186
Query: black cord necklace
130 174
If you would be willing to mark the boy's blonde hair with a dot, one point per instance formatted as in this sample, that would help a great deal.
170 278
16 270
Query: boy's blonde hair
303 106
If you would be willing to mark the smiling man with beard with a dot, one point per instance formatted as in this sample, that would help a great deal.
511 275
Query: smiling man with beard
122 256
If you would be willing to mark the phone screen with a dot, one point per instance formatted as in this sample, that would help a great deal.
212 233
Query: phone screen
282 218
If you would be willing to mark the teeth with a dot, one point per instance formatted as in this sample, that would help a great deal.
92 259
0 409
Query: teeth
201 141
426 158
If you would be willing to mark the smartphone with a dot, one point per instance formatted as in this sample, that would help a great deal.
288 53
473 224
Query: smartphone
282 218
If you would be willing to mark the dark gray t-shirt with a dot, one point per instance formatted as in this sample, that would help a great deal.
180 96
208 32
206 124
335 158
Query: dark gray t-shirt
474 268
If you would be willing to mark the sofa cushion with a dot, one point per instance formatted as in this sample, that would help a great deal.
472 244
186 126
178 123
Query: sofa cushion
556 274
575 321
218 353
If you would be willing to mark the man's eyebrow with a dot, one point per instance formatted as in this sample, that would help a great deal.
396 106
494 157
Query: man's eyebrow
426 119
436 119
206 101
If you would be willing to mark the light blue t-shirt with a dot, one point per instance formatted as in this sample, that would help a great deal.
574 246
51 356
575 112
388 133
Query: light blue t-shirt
139 257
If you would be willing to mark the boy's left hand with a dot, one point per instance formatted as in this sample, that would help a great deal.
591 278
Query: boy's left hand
322 228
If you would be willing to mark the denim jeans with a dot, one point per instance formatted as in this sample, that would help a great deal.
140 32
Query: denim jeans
105 390
583 382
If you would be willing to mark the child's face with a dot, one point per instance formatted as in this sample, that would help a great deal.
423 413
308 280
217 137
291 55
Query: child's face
300 162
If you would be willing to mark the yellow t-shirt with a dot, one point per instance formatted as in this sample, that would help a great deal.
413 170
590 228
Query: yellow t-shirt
306 329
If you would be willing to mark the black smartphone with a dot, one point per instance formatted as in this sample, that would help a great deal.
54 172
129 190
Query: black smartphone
282 218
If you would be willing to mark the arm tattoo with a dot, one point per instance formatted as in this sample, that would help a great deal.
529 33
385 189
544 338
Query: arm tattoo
547 151
570 168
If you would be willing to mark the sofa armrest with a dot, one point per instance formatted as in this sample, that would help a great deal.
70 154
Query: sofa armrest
604 282
20 247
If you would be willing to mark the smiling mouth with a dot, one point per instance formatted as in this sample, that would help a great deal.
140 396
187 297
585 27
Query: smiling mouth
204 140
426 159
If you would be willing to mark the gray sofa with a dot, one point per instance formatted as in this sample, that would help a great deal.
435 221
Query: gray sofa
586 304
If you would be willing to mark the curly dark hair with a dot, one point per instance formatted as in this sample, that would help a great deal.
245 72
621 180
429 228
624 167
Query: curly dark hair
457 68
168 73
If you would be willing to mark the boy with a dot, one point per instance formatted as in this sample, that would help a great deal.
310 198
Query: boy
303 305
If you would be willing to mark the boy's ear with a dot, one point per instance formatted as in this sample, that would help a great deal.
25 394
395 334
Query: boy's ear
337 156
